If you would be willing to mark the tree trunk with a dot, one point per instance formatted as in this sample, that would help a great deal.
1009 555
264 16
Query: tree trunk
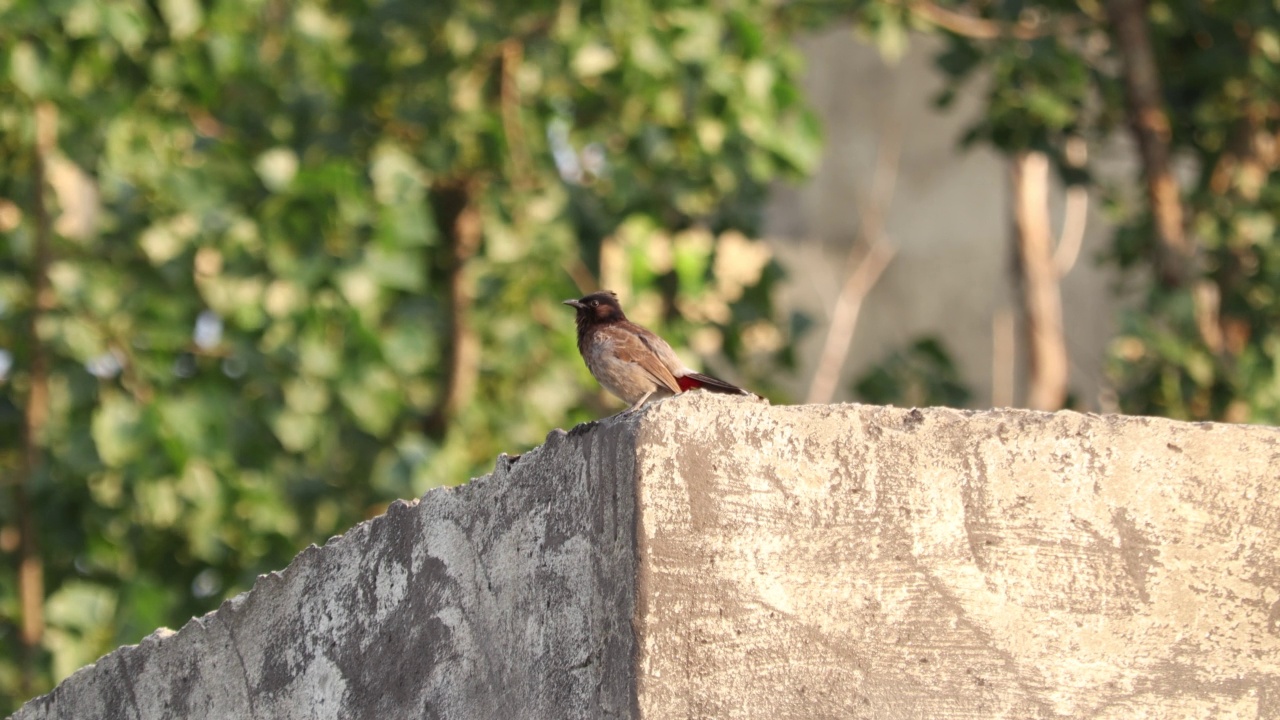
1177 261
1150 125
459 222
1041 293
36 411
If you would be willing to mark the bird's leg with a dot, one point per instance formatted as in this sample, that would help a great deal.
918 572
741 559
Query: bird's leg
637 404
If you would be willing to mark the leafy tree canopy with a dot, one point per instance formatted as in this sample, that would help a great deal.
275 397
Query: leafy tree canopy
304 258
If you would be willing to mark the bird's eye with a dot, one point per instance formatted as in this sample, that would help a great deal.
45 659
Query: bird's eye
595 303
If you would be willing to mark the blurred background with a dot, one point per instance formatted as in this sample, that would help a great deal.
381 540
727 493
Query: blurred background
268 265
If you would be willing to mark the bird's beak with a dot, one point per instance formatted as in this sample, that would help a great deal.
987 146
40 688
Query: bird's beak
573 303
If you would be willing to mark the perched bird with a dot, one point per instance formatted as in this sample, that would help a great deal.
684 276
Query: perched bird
629 361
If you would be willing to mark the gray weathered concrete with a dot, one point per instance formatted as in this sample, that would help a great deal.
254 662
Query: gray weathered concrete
509 597
715 557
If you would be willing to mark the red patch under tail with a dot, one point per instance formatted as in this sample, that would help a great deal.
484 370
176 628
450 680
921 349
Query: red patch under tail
706 382
687 383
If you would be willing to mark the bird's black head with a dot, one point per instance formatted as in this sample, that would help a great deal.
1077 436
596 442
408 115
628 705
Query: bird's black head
601 307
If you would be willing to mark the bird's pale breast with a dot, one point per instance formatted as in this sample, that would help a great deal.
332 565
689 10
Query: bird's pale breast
623 378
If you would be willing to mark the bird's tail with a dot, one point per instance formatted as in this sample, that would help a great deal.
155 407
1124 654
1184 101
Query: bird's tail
706 382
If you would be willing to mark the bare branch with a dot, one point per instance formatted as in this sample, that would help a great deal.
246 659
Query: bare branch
1207 299
1042 295
978 28
1075 214
36 412
1003 351
864 271
844 320
581 275
1071 239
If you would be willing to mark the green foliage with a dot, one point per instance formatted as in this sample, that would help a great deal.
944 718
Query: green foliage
1219 67
259 241
921 375
1221 71
1040 90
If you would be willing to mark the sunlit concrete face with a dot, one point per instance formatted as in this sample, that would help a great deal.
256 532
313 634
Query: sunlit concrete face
868 562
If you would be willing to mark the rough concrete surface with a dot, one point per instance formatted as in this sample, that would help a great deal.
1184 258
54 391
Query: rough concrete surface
715 557
509 597
866 562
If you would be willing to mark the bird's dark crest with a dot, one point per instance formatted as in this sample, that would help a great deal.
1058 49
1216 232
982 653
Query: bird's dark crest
601 307
596 310
603 296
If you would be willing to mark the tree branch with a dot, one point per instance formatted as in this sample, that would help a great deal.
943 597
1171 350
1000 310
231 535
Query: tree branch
977 28
1071 239
864 271
460 225
1004 353
1177 257
36 412
1150 125
1075 212
1042 295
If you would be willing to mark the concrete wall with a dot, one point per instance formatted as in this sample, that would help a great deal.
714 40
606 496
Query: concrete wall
509 597
715 557
867 562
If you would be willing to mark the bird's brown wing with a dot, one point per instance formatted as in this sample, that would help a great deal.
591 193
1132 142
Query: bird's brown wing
632 343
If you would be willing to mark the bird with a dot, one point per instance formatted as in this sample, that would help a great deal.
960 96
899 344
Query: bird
629 361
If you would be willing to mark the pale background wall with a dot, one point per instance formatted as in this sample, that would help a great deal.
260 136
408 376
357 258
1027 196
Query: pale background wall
949 220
